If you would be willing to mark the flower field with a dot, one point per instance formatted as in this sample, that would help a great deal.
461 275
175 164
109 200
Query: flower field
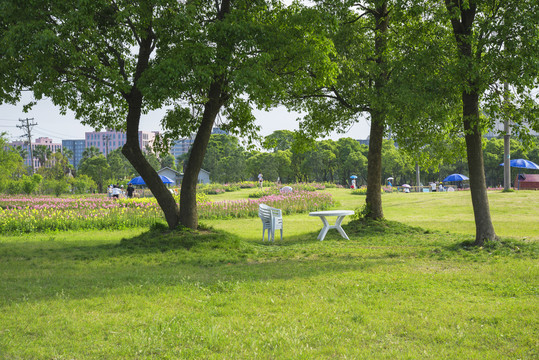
45 213
295 202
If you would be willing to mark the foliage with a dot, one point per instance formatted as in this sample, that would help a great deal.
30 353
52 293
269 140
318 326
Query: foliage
58 167
30 184
96 168
10 163
213 189
120 168
55 187
83 184
225 159
360 191
42 153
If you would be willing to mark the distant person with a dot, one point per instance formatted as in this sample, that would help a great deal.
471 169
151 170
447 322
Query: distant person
109 191
260 180
130 191
433 187
441 188
116 192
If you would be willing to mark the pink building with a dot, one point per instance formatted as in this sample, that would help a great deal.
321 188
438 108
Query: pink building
110 140
39 141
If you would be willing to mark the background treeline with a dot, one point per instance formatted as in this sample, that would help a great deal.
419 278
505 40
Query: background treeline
284 156
293 159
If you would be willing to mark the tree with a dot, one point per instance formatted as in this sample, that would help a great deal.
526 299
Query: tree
279 140
395 163
96 168
168 161
10 162
496 43
42 153
225 159
111 61
253 44
55 186
90 152
29 184
120 168
82 184
58 169
69 154
373 62
22 151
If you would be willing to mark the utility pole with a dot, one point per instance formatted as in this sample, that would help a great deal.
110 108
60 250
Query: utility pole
417 177
27 126
506 145
106 138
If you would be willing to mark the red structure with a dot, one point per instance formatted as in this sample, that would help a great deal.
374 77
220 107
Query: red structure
527 182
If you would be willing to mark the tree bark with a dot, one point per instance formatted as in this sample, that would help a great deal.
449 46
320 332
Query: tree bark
484 230
188 201
216 99
374 166
462 23
132 150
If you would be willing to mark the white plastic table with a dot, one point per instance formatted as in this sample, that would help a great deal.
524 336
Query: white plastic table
340 216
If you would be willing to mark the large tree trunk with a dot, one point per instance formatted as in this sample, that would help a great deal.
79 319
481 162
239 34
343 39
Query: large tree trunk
216 99
188 201
462 23
484 230
131 149
374 167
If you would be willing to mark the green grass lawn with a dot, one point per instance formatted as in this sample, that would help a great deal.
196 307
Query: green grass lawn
407 290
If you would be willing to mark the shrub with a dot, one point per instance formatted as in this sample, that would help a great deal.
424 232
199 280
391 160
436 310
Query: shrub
360 191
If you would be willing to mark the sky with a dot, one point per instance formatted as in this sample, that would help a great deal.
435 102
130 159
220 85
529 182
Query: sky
50 123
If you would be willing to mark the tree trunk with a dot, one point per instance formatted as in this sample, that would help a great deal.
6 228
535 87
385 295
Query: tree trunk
374 166
462 23
131 149
216 99
188 200
484 230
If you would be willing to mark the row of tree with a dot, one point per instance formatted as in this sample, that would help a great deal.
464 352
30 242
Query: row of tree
335 161
426 70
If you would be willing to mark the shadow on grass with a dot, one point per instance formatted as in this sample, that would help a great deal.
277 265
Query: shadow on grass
41 270
502 247
374 228
159 258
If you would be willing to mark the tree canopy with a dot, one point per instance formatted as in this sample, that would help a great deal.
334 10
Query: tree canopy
110 62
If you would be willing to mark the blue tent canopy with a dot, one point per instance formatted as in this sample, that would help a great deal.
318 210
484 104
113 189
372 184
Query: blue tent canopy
456 177
139 181
523 164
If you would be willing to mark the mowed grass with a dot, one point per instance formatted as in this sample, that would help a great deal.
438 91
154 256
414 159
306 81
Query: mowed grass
394 291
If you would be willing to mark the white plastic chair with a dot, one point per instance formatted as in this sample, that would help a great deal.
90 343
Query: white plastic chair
272 219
